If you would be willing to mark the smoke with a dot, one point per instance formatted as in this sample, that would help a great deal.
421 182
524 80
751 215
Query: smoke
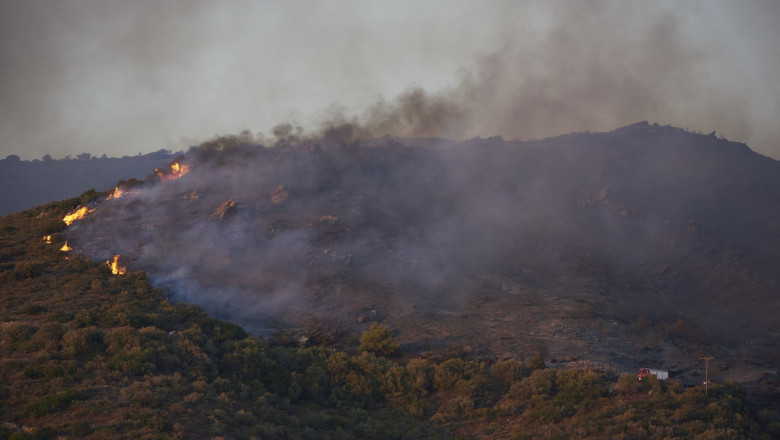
600 65
593 67
112 77
334 230
261 233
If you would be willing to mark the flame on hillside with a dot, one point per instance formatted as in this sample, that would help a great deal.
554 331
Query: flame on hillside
47 239
117 193
76 215
176 172
116 269
66 248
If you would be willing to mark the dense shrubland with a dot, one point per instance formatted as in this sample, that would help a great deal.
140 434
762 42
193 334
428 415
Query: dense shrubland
86 354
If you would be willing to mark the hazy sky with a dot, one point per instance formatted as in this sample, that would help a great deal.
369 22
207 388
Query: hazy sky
128 77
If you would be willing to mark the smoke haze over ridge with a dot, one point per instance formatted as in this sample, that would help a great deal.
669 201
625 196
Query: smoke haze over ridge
417 233
120 78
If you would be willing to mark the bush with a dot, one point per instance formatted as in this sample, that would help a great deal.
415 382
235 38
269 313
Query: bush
49 336
536 363
88 196
44 433
80 428
16 333
377 339
26 270
83 341
627 383
419 376
506 372
52 227
49 404
33 309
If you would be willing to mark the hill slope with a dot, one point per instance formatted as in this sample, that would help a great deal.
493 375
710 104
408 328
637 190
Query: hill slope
85 353
645 246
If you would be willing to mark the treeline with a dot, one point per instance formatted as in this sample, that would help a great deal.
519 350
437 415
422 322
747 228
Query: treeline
87 354
26 184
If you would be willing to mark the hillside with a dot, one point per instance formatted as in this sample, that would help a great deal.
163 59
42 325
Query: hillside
25 184
86 353
645 246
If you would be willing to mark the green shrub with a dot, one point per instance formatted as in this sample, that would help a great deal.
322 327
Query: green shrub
26 270
16 333
52 227
80 428
419 376
121 339
627 383
536 363
44 433
83 341
49 336
377 339
507 371
49 404
33 309
88 196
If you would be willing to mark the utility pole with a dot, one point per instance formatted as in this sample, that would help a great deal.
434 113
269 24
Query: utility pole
706 360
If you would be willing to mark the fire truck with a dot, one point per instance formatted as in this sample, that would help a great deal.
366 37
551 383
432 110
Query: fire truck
659 374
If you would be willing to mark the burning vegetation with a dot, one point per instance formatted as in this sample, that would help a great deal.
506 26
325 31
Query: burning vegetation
177 170
115 267
117 193
66 248
78 214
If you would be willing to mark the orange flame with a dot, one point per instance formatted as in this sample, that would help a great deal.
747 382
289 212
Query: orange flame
116 269
177 170
66 248
47 239
77 214
117 193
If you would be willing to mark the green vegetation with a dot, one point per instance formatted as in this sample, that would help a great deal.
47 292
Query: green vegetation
378 339
86 354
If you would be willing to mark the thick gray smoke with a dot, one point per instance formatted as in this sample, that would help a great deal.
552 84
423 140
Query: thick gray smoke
115 77
579 75
255 232
599 65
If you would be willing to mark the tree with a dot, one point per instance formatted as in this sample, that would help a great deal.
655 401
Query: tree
377 339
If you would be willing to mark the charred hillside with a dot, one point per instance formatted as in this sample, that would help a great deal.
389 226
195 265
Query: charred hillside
644 245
